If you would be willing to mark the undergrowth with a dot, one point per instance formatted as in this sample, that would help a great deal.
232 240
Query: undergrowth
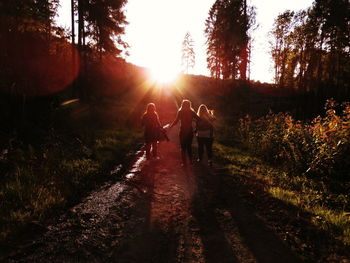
305 164
316 149
37 179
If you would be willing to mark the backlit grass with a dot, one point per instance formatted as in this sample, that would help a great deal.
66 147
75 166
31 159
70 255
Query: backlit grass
308 195
42 178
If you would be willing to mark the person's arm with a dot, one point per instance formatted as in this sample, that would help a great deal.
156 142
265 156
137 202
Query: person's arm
176 120
196 127
195 116
212 120
157 120
212 117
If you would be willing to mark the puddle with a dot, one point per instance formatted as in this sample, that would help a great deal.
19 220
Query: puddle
137 166
116 170
99 202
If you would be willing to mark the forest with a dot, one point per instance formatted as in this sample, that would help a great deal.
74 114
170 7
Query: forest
70 108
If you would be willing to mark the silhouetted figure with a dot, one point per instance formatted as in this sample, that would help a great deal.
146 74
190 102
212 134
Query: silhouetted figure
205 133
150 121
185 115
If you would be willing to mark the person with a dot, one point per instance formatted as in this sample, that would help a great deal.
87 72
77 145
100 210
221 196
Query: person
205 133
150 120
185 115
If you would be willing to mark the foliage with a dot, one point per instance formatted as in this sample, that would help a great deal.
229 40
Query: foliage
310 49
57 172
102 21
34 53
226 30
36 57
318 148
326 200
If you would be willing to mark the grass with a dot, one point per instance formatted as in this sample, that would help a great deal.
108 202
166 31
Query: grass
308 195
40 179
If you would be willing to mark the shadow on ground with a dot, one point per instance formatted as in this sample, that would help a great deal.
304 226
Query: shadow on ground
162 212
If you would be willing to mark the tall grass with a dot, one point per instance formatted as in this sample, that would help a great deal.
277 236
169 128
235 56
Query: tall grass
58 172
306 164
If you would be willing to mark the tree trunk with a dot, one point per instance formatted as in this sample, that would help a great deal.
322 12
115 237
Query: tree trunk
80 24
73 25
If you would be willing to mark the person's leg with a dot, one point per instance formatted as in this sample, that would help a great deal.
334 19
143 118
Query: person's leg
183 157
209 148
155 149
189 146
200 148
148 150
183 149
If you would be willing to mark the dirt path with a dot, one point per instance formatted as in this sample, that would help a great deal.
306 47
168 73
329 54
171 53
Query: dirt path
161 213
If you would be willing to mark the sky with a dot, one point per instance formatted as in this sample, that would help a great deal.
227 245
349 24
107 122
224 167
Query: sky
157 28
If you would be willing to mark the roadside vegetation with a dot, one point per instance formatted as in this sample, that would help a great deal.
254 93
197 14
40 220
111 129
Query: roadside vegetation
304 163
38 180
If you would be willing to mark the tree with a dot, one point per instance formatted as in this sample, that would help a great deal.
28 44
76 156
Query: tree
26 32
280 44
106 21
227 32
188 54
100 25
34 58
214 44
311 50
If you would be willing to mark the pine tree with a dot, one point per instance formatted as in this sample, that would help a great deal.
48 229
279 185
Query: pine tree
188 54
106 21
228 38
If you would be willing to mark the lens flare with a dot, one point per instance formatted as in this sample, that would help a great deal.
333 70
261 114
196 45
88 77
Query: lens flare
163 74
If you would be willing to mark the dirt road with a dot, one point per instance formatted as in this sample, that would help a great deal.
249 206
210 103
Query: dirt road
162 212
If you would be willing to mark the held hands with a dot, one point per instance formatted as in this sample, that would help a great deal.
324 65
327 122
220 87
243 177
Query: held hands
163 131
167 127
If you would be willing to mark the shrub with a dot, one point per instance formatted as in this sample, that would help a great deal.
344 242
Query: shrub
320 147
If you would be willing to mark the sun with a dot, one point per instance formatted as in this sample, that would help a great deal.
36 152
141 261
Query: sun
163 74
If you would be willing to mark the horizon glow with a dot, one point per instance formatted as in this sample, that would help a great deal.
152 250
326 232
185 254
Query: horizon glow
157 28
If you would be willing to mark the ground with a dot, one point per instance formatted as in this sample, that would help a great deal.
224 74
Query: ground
162 212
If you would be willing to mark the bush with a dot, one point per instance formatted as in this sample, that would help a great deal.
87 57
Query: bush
320 147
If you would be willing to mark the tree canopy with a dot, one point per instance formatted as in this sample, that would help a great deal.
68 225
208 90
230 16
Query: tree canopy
101 22
311 50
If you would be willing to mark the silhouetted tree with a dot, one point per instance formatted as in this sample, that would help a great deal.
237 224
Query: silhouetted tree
227 36
188 58
311 50
105 25
100 25
280 44
35 58
26 32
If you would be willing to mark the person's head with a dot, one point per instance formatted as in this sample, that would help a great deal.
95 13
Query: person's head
151 108
203 112
186 105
